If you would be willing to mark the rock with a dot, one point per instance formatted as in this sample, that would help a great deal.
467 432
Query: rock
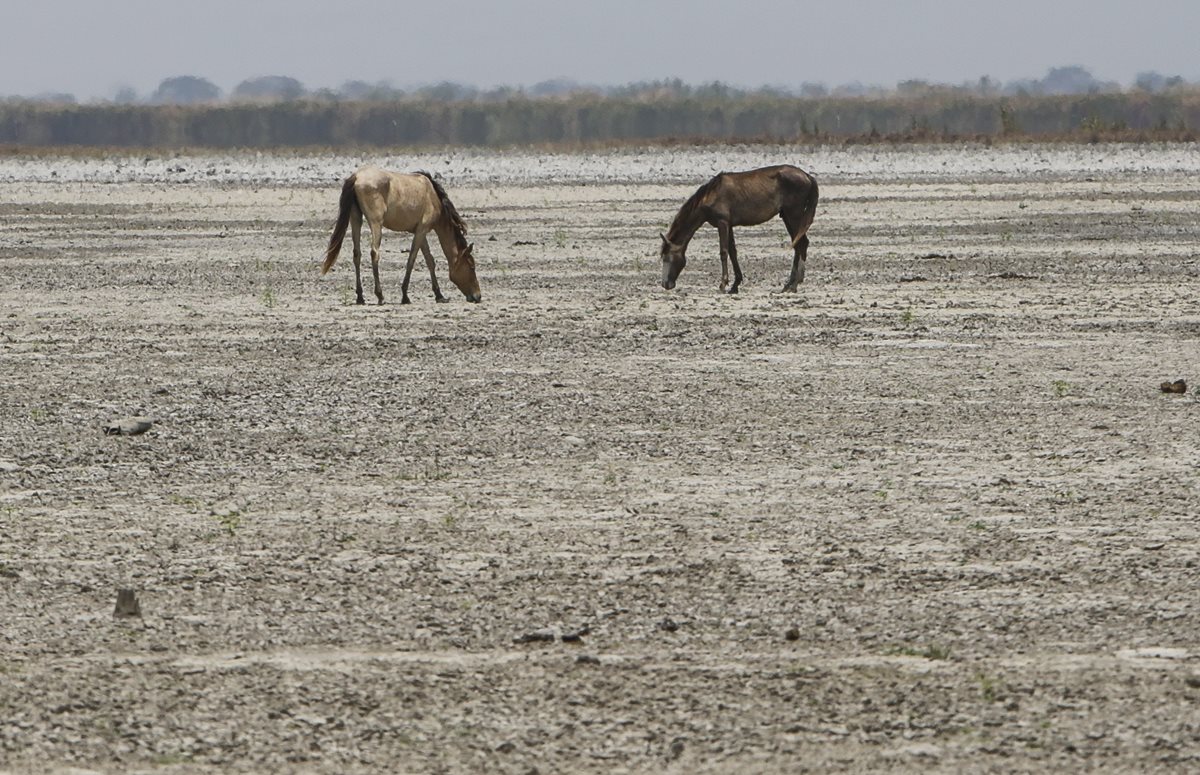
1178 386
537 636
793 633
127 604
668 625
129 426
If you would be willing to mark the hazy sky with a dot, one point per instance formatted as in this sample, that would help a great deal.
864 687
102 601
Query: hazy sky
91 48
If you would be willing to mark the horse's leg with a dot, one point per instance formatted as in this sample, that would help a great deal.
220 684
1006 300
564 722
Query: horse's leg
725 232
356 232
799 257
418 238
437 292
731 248
376 240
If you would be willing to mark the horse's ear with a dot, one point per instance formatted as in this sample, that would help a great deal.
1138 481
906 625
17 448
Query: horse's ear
664 238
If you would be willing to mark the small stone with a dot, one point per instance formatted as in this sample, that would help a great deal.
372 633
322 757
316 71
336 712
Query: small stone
537 636
127 604
793 633
575 637
668 625
129 426
1178 386
587 659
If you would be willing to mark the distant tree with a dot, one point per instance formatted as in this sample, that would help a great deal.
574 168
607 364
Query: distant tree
126 95
269 88
1074 80
555 87
448 91
813 90
915 87
1157 82
55 97
987 86
185 90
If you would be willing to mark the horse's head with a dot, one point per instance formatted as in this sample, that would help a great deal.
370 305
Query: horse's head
462 274
673 261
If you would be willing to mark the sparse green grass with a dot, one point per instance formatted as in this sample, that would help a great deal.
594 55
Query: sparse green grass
1061 388
230 522
989 688
267 297
931 651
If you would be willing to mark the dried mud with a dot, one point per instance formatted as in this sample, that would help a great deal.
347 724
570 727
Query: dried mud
931 513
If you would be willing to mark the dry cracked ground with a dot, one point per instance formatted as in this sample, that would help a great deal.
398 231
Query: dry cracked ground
933 512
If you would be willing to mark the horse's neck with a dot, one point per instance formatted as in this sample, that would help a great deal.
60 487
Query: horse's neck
445 235
684 227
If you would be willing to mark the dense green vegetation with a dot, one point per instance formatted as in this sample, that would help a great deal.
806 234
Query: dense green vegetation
583 119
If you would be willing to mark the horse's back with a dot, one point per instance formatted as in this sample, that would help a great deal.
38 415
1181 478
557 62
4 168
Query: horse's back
403 201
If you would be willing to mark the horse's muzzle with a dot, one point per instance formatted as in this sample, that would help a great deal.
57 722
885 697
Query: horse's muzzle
669 285
476 298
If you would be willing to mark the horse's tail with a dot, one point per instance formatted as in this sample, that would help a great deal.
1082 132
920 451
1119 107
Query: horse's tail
449 211
347 203
810 210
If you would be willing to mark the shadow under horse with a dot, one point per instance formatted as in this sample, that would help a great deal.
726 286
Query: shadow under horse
744 199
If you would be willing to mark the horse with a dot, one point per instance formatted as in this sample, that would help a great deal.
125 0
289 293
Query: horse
412 202
744 199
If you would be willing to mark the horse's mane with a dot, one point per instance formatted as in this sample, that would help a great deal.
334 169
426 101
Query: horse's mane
449 213
694 202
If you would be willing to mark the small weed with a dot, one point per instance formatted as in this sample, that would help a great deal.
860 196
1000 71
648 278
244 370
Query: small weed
560 238
268 298
977 525
37 415
1061 387
989 688
230 522
907 317
930 651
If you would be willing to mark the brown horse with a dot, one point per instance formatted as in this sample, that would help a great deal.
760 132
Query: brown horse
744 199
412 202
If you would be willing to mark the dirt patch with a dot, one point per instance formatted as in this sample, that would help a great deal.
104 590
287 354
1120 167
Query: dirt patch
880 524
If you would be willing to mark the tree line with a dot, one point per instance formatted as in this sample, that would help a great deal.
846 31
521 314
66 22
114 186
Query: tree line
589 119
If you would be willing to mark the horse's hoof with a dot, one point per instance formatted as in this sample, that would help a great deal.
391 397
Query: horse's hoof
442 300
405 301
733 291
361 300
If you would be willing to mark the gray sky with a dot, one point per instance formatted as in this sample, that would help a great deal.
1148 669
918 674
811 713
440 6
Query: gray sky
91 48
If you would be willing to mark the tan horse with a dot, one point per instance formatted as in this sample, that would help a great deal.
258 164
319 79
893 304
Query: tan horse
744 199
412 202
